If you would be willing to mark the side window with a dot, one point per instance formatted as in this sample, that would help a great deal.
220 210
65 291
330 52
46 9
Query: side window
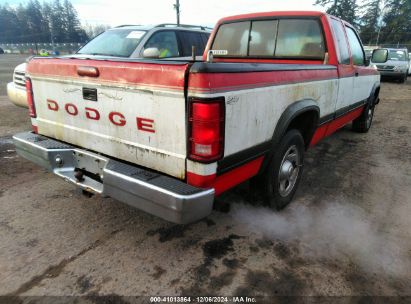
233 38
342 46
166 42
262 38
188 39
356 47
300 38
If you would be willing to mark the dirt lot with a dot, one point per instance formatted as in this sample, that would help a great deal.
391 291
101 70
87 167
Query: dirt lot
348 232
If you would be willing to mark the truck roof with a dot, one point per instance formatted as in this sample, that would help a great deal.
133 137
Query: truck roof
272 14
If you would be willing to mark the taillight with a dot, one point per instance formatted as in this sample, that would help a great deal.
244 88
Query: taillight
206 129
30 99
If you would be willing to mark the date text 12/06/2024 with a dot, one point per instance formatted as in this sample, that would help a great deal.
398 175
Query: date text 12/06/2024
236 299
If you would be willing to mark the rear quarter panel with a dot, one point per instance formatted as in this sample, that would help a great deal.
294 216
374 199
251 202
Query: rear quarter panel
255 101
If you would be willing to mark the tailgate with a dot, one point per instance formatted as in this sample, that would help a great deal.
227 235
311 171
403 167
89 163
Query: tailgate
133 110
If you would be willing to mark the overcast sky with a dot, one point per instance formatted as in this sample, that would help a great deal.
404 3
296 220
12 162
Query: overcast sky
116 12
192 11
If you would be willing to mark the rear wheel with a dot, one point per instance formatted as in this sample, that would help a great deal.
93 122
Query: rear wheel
363 123
403 78
281 179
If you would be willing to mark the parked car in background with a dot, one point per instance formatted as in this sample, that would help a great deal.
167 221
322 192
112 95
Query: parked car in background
409 66
159 41
129 41
396 66
16 90
44 52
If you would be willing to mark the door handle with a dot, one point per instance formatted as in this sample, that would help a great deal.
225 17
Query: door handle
88 71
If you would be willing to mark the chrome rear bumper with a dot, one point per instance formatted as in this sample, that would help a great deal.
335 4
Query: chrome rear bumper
154 193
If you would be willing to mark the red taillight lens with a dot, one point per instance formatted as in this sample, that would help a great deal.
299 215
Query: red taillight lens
30 99
206 120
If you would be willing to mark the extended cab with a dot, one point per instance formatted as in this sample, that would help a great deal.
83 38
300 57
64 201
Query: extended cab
169 136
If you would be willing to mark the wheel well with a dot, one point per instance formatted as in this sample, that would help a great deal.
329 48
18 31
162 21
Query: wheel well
306 123
377 92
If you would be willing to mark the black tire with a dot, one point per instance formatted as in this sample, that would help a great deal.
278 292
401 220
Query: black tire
278 196
402 79
363 123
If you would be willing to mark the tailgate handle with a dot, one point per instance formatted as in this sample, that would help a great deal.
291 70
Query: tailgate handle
88 71
90 94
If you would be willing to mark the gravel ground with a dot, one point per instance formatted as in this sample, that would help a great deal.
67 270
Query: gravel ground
347 233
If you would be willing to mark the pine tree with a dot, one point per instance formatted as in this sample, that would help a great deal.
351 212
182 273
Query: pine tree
72 25
344 9
21 13
46 27
58 30
9 25
396 22
35 21
370 21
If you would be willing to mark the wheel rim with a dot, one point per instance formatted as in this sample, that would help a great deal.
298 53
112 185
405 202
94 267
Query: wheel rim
370 114
289 170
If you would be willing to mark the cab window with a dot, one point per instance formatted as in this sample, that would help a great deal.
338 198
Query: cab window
300 38
232 38
165 42
262 38
357 51
274 38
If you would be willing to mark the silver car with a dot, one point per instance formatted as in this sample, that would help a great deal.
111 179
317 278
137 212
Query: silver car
160 41
16 90
396 66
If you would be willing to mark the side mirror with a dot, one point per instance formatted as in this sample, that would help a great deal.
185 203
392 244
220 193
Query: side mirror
151 53
367 61
379 56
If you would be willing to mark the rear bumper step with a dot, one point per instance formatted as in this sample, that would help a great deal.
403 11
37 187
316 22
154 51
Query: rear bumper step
154 193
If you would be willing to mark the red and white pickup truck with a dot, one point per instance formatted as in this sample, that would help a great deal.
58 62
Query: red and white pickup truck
167 136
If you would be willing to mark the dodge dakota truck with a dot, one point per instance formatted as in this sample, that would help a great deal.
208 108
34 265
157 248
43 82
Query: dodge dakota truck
168 136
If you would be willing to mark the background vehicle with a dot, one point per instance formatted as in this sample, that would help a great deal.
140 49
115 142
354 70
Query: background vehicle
409 66
167 136
159 41
396 66
44 53
16 90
